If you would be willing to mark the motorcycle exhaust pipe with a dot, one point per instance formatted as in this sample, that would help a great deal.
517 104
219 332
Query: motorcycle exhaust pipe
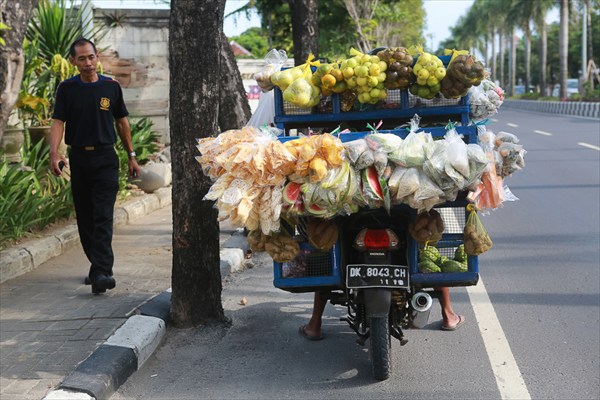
421 303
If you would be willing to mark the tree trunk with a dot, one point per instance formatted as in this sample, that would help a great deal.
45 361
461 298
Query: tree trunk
563 47
513 62
543 59
527 58
195 61
305 29
494 56
590 43
502 51
234 110
16 15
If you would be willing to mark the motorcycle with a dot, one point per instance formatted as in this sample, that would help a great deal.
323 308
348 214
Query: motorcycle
372 272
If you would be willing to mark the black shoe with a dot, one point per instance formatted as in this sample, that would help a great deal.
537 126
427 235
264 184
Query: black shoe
87 281
103 282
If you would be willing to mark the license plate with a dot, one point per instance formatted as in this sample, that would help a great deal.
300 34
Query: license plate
371 276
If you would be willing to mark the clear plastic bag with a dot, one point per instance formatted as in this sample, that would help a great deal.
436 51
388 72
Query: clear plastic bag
457 152
411 152
274 60
265 111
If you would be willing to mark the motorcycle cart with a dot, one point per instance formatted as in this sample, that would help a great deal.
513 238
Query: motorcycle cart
328 271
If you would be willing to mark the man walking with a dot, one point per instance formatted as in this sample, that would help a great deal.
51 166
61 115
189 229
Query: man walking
87 108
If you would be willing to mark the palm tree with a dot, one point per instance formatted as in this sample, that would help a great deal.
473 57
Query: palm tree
520 12
538 14
563 47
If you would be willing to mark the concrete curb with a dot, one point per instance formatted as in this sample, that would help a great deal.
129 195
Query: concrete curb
577 108
101 374
28 256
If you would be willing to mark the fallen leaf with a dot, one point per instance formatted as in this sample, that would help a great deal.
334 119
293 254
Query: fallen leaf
243 301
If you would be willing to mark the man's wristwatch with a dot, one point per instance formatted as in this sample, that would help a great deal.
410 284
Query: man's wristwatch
132 154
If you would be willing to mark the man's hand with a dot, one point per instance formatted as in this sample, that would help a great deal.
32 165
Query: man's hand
134 168
57 163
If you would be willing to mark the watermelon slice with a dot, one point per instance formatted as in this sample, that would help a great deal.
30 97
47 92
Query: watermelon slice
297 208
291 193
315 209
371 178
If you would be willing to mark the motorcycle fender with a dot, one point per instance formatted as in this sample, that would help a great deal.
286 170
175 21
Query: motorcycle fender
377 302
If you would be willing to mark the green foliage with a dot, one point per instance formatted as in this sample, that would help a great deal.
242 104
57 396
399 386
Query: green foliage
255 40
30 197
3 27
56 24
145 143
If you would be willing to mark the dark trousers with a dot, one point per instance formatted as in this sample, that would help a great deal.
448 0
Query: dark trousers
95 183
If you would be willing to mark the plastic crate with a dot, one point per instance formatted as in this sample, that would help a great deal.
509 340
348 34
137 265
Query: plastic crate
310 271
454 222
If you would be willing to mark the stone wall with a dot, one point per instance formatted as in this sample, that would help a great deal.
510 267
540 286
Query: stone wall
135 52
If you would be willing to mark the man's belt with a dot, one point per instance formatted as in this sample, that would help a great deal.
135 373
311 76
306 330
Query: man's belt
92 148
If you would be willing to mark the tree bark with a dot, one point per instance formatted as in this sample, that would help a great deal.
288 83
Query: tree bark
527 58
16 15
234 110
494 59
563 47
543 59
195 91
305 29
501 39
590 36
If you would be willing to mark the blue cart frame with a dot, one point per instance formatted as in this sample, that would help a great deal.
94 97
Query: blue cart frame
457 112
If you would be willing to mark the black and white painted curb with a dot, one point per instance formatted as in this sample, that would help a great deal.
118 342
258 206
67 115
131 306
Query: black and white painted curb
111 364
101 374
577 108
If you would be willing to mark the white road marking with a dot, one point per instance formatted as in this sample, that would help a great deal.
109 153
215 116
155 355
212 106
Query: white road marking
508 376
542 133
494 119
589 146
512 125
506 132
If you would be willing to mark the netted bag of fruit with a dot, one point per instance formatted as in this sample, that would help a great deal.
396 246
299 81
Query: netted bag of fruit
477 240
427 228
365 75
399 72
463 72
302 92
322 233
329 78
429 71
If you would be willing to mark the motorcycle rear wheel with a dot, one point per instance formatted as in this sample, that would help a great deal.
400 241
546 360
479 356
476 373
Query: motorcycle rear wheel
381 345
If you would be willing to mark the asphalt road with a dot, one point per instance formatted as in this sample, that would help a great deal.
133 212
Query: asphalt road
537 337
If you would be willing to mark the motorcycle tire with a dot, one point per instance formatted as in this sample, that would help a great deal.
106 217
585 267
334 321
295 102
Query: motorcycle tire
381 345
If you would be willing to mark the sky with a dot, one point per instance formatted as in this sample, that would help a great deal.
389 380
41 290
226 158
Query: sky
440 16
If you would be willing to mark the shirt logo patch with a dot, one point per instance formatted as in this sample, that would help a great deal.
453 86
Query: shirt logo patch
104 104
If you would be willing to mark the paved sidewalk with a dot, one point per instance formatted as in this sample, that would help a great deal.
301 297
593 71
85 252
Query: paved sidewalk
49 320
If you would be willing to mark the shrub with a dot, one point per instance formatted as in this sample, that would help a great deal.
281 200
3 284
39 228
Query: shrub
30 197
145 143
